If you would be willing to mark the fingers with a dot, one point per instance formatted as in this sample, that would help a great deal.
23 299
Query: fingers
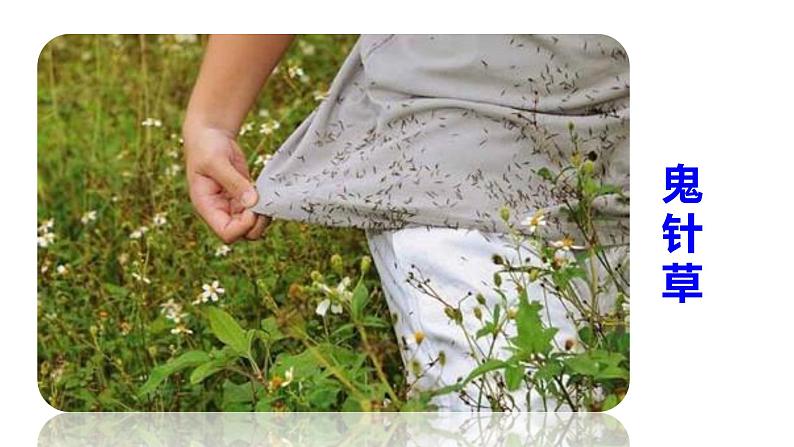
262 222
216 209
234 182
229 227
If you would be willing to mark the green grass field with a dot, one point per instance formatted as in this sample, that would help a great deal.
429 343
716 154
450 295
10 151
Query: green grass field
113 306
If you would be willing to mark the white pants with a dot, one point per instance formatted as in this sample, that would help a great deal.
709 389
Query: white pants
459 264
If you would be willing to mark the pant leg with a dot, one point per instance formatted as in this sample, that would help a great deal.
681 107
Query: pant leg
459 265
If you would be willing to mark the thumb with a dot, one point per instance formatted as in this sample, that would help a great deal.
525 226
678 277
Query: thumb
235 182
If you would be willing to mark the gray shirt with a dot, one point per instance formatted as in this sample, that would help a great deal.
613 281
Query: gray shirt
445 130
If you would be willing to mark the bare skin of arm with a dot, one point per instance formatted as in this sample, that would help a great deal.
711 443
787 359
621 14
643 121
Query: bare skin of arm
234 69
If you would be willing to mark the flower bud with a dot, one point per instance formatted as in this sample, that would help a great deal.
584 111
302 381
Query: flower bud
505 213
481 299
478 312
366 262
534 273
337 264
588 167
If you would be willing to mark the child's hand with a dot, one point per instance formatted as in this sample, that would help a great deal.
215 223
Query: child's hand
220 185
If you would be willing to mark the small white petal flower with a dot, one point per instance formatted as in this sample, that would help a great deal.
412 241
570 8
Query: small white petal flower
289 375
262 160
151 122
159 219
212 292
139 232
45 239
88 217
320 95
322 308
223 250
306 48
269 127
181 329
173 170
533 222
566 243
62 269
141 278
173 311
336 308
247 127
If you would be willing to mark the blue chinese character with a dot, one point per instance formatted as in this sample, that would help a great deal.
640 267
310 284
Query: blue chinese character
671 228
683 281
683 182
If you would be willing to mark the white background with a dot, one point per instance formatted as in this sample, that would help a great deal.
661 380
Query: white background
711 86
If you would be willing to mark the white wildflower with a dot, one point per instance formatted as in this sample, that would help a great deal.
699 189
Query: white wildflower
139 232
173 170
45 239
211 292
181 329
269 127
62 269
88 217
533 222
45 234
151 122
247 127
173 153
320 95
566 244
222 251
262 160
159 219
289 375
294 71
306 48
173 311
46 226
141 278
264 113
334 297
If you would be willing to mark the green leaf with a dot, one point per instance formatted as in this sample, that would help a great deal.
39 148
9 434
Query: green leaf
598 364
532 336
487 329
545 174
323 397
359 301
162 372
207 369
513 377
271 329
240 397
484 368
227 330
